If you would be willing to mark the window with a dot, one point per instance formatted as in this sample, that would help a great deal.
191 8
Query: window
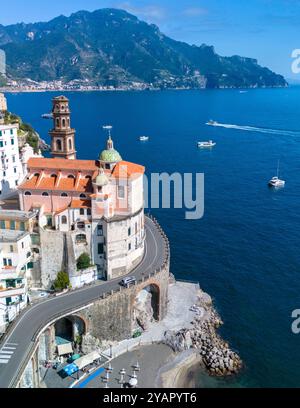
70 176
57 122
100 230
81 211
89 211
7 262
100 249
88 177
64 123
8 301
27 193
129 232
45 194
11 248
12 141
11 131
37 175
80 225
22 226
58 145
1 143
22 245
14 159
15 169
121 192
70 144
82 196
2 224
12 225
64 195
129 247
28 254
80 239
64 219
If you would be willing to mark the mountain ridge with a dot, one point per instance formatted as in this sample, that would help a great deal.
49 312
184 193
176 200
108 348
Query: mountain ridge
113 47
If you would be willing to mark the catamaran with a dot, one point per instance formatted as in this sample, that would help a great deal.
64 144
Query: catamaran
276 181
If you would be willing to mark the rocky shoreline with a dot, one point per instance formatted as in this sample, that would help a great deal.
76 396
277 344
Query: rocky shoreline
217 357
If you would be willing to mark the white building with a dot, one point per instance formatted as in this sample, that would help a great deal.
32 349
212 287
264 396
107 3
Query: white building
11 172
15 259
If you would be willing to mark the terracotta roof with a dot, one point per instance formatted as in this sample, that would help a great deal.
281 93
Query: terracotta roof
59 164
80 204
125 169
64 184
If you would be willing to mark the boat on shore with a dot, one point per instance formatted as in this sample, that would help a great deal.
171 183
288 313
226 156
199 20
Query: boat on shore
207 144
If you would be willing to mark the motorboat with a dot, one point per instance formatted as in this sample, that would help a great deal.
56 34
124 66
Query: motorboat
47 116
210 143
144 138
212 123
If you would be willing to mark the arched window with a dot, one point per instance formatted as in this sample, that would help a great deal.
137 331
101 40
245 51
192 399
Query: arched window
82 196
64 195
70 144
64 219
58 144
88 177
57 122
70 176
37 175
27 193
62 107
53 175
64 123
81 211
89 211
45 194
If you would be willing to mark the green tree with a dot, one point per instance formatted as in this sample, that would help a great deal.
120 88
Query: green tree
84 261
62 281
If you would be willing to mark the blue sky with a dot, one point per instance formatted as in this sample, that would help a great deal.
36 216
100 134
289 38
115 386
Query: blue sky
264 29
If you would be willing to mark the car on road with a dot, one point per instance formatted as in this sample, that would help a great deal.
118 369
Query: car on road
130 280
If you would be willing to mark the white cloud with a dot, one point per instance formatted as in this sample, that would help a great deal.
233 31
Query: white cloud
151 11
195 11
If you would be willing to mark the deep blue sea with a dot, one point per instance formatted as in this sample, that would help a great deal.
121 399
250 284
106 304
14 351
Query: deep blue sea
245 251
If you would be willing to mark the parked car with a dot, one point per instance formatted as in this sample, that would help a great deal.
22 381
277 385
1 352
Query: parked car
126 282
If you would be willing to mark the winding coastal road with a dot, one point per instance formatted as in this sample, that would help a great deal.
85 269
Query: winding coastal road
20 341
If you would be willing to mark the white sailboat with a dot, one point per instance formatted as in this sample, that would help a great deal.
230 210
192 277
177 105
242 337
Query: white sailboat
276 181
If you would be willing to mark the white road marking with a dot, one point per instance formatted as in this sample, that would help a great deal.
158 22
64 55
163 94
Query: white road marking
6 352
3 361
8 348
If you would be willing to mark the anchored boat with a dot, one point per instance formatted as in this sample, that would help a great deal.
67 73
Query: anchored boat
208 144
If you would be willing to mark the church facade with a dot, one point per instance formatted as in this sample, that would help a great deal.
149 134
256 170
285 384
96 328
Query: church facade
85 206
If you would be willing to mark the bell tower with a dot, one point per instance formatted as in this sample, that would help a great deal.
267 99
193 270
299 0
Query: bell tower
62 135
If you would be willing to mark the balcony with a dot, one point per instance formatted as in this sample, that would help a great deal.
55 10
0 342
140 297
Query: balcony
9 292
8 272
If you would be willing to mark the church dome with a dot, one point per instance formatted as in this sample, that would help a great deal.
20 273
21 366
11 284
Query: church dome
110 156
101 179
